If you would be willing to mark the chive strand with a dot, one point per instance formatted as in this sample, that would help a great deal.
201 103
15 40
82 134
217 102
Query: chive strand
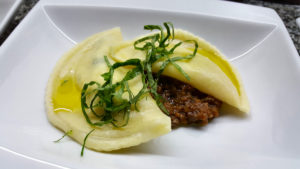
84 142
65 134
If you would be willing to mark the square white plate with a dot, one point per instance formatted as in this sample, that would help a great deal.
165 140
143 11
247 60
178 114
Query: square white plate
7 10
253 38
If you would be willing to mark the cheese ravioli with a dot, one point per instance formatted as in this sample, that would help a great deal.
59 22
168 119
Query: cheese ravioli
85 63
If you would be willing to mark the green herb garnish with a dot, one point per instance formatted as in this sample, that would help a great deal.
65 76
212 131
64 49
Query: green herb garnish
84 141
108 96
66 134
155 47
107 102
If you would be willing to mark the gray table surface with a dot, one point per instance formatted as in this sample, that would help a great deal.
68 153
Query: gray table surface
288 14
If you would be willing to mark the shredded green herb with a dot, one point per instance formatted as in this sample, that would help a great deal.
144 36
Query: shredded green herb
107 101
108 97
66 134
84 141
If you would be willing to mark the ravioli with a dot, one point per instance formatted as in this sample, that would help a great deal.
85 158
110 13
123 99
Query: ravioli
209 72
81 65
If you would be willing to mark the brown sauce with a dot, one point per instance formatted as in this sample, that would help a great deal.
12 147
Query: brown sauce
186 104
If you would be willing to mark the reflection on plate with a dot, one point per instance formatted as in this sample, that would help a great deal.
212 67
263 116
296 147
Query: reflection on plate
258 46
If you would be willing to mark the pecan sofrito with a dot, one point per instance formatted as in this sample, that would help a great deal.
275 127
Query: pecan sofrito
186 104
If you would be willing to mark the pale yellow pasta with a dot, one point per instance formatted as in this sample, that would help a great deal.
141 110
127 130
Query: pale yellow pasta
81 65
209 72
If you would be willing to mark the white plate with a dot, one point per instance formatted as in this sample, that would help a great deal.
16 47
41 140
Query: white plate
254 38
7 10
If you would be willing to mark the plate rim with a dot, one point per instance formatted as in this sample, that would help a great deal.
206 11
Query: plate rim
8 16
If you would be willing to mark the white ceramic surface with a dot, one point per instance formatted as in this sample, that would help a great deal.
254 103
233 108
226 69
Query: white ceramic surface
7 10
254 38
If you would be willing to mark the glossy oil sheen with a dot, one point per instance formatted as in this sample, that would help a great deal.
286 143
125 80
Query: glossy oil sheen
66 95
